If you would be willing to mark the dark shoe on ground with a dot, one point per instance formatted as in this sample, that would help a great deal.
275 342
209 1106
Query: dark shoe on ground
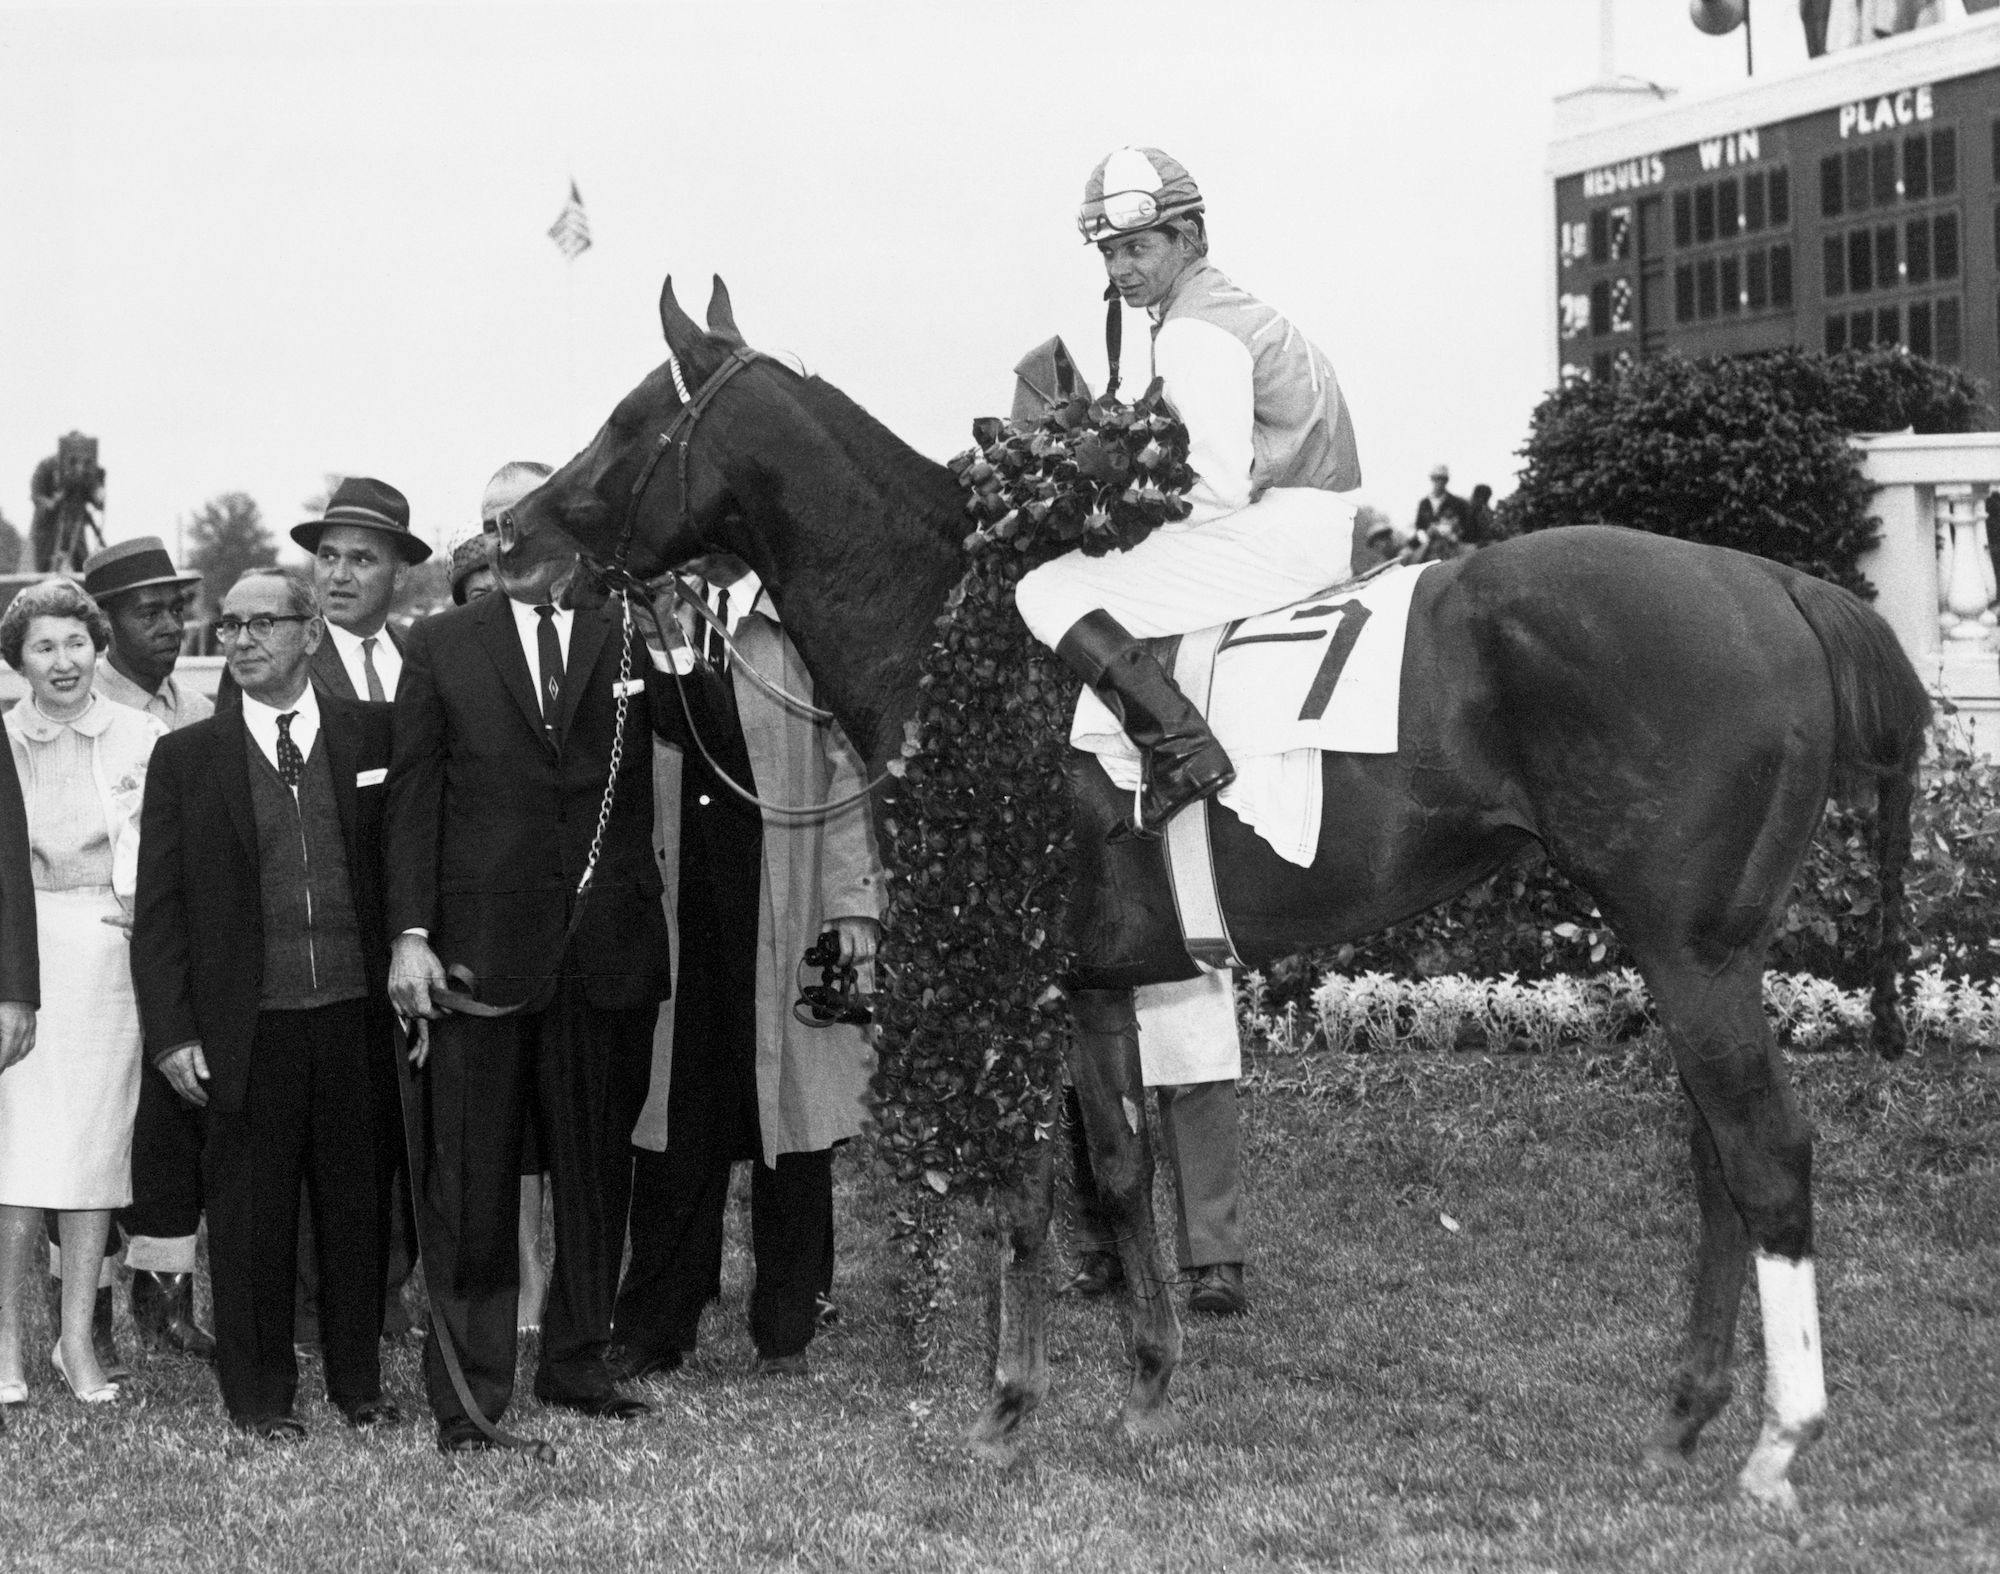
1218 1291
460 1435
371 1414
277 1429
105 1340
782 1365
1097 1273
608 1406
629 1363
163 1314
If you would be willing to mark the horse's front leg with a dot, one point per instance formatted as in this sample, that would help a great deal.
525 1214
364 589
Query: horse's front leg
1021 1365
1104 1066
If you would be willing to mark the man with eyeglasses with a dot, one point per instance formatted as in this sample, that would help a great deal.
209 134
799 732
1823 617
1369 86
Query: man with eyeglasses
145 598
260 959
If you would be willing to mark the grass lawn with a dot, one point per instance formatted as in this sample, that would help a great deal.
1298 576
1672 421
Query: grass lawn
1402 1396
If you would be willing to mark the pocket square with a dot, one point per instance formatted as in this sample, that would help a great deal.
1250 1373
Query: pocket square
373 778
626 689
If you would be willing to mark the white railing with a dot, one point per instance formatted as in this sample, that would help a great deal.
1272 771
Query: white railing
1933 570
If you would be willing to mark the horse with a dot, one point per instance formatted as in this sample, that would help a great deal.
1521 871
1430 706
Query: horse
1665 720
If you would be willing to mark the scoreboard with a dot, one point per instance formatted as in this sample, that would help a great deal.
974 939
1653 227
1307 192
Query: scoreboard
1852 204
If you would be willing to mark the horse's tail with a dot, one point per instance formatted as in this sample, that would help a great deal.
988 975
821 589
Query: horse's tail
1881 714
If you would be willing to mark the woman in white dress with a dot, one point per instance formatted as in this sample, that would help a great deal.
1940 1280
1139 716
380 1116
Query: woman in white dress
66 1108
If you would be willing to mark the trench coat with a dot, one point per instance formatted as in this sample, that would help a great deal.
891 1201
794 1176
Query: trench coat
812 1082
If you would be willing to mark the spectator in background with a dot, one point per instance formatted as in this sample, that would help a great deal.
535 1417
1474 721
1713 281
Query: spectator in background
472 573
66 1110
146 600
1481 528
1374 539
1440 513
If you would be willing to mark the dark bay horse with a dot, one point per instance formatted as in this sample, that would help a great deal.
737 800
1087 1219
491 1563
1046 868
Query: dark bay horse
1666 720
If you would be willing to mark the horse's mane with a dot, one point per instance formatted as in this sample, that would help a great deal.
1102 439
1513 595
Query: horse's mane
927 488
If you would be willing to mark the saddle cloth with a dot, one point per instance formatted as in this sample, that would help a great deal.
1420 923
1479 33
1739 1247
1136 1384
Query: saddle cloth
1321 674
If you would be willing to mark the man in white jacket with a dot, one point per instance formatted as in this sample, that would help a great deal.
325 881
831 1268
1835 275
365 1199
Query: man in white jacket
1271 445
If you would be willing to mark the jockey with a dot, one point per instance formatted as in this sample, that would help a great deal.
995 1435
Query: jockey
1271 445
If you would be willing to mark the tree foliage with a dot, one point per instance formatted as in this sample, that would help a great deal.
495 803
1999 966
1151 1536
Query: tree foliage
1748 452
223 537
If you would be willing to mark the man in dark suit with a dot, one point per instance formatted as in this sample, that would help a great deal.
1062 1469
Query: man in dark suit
362 548
258 956
508 726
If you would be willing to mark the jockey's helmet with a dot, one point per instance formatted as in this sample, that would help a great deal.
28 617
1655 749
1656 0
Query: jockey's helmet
1135 189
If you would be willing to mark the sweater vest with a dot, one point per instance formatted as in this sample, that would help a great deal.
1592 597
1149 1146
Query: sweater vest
1303 435
312 939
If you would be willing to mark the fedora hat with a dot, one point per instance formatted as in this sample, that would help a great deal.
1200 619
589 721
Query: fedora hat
371 505
131 565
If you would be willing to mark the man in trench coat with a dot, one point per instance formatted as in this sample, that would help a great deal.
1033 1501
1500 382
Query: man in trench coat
744 1078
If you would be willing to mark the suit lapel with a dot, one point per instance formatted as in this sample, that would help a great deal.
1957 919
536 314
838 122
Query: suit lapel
586 638
330 672
340 760
232 775
503 644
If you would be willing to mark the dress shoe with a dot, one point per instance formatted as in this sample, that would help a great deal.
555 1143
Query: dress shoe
103 1394
782 1365
163 1313
1097 1273
461 1435
1218 1291
607 1406
277 1429
371 1414
101 1336
628 1363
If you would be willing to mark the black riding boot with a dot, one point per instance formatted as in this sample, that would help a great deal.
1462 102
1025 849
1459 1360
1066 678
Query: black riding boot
163 1312
1183 762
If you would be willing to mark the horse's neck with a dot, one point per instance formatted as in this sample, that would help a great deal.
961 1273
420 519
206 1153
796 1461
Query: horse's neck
860 559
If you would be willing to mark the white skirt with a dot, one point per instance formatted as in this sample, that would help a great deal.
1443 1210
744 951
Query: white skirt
66 1110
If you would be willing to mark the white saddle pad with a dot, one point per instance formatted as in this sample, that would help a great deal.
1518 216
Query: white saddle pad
1322 674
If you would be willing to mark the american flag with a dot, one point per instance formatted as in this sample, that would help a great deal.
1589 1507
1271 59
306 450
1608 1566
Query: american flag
571 230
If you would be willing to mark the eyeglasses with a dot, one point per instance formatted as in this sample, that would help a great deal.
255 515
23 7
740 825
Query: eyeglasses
229 630
1118 211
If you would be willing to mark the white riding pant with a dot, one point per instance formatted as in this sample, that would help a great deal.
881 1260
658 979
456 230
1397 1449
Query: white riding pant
1185 576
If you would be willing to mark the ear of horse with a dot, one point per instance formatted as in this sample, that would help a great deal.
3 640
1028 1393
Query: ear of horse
683 333
722 316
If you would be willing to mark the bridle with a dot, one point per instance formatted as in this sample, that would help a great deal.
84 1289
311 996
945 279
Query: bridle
677 437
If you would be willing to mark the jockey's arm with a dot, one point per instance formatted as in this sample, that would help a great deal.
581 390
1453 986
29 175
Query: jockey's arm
1211 384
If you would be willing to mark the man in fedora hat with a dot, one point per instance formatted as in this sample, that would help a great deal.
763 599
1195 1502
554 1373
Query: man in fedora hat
362 547
146 599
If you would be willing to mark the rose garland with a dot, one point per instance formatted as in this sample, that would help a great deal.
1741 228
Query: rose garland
979 827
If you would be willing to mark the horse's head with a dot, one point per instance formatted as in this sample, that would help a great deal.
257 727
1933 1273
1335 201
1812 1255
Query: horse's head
634 492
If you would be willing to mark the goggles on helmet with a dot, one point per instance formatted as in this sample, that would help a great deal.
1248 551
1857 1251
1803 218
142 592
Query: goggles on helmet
1127 212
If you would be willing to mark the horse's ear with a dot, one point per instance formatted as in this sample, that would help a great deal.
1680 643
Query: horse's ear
721 315
682 332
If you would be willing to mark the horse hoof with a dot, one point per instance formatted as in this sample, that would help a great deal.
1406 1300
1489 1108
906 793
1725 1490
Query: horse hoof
1776 1500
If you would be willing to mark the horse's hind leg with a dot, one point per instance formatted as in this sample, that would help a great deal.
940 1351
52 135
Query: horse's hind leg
1105 1069
1021 1364
1702 1386
1762 1154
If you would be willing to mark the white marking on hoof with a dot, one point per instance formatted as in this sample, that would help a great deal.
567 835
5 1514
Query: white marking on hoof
1794 1380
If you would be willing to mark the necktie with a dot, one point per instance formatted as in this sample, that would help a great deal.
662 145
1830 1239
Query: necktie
375 689
549 648
718 651
291 763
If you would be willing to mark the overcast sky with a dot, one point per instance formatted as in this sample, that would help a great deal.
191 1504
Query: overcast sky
245 245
